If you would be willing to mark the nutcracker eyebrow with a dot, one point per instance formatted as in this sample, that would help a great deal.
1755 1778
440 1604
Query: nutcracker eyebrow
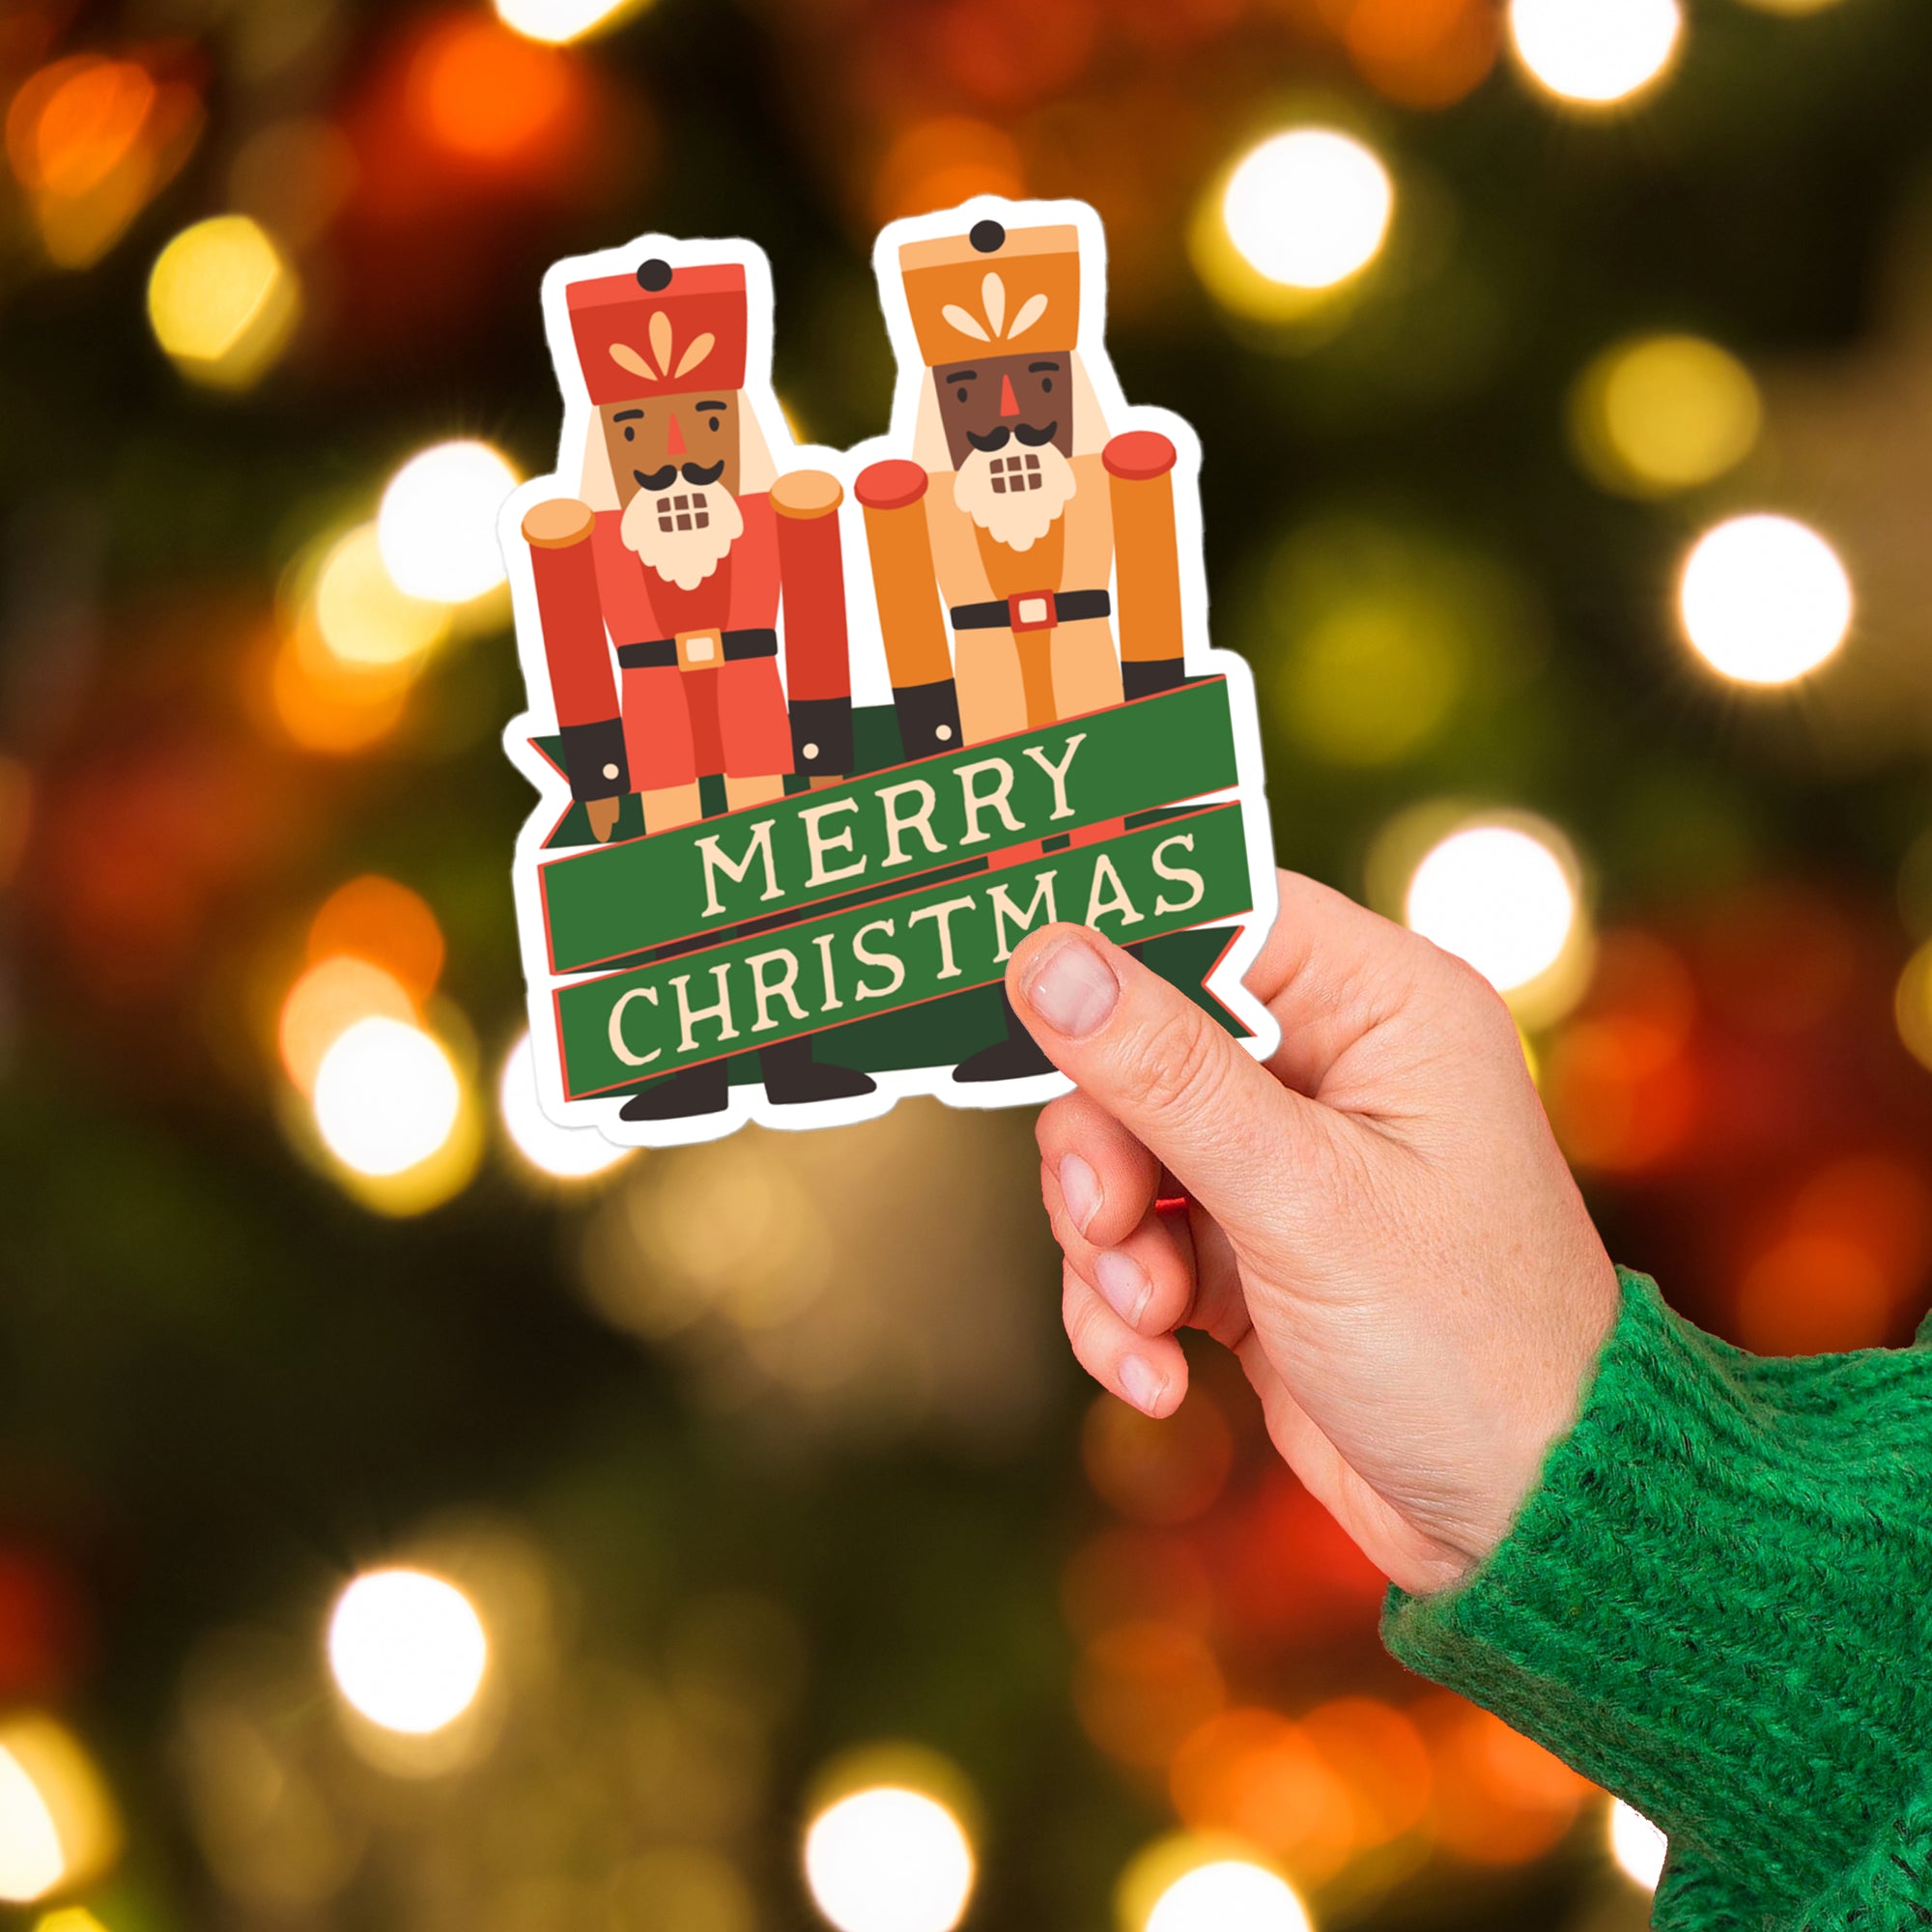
711 406
1036 368
963 376
625 415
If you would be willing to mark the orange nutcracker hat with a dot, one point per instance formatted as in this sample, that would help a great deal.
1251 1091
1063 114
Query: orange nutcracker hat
993 292
663 332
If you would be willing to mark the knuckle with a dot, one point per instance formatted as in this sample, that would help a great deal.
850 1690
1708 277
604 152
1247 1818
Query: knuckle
1169 1066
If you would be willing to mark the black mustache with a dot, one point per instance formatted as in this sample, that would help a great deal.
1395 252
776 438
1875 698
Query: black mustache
1032 439
663 479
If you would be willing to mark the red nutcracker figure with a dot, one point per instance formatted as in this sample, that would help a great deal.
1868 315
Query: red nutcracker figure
679 552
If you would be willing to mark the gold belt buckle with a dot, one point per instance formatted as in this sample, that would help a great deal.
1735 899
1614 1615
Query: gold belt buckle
700 650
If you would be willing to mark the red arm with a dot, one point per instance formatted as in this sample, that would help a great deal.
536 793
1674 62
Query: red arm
581 685
812 580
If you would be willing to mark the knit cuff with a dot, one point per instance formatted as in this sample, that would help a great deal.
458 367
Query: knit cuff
1714 1601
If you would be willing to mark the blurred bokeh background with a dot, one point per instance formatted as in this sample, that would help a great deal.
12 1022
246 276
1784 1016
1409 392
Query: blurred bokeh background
412 1517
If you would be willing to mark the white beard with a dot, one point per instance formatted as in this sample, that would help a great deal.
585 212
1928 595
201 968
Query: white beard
1015 518
685 557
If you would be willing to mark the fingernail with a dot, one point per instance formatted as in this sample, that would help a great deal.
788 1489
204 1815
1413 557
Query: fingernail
1141 1385
1080 1189
1124 1284
1072 991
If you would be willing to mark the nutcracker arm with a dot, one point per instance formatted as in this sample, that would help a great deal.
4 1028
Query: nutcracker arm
906 583
1147 560
575 647
811 582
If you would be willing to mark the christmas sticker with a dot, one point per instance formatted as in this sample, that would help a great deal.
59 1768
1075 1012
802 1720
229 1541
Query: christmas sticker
818 736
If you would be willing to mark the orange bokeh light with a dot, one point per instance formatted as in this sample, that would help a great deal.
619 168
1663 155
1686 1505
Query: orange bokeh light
1157 1473
375 919
326 705
1496 1798
1381 1755
941 162
1621 1090
90 140
1424 53
488 94
1254 1773
326 1002
1141 1688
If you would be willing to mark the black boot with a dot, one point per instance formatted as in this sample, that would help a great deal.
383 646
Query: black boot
1014 1057
793 1078
698 1090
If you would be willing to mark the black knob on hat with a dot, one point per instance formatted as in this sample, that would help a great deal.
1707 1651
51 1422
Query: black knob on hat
989 237
654 274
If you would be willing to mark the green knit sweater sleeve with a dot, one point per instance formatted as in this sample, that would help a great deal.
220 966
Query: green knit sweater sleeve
1717 1602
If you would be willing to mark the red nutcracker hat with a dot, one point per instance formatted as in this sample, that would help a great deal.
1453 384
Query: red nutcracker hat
663 332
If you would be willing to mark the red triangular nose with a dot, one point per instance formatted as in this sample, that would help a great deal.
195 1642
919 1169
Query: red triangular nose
675 442
1010 404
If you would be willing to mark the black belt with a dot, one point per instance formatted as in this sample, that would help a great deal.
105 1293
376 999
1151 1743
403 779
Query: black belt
661 652
1002 613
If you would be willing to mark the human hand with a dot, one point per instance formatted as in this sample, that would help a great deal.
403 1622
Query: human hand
1379 1222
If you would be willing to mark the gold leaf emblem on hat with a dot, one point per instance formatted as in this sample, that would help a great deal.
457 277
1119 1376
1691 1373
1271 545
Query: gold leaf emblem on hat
661 344
993 301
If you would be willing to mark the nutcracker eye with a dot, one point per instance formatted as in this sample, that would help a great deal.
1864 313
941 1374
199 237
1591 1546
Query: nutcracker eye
630 435
1046 385
960 393
714 422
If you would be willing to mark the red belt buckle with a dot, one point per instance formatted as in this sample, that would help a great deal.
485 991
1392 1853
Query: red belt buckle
1033 610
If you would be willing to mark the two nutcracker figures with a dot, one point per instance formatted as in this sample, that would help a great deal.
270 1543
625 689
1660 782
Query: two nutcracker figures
708 609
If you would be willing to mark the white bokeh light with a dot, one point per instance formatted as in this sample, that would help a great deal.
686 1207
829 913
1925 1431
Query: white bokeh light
556 20
1308 208
889 1860
1229 1895
1763 599
1595 51
387 1096
569 1153
1638 1847
437 523
31 1863
1498 896
407 1650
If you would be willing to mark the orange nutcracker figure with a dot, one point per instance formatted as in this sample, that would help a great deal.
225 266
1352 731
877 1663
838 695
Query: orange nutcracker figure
677 557
1000 550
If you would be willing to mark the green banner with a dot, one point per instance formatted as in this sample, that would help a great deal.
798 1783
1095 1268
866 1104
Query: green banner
925 944
883 831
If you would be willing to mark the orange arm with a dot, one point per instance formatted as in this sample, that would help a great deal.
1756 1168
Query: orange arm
906 585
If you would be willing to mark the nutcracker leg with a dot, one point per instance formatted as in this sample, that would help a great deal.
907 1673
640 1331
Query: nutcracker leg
1014 1057
698 1090
794 1078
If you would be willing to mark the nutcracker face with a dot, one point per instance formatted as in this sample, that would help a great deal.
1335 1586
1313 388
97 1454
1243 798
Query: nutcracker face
1004 405
687 441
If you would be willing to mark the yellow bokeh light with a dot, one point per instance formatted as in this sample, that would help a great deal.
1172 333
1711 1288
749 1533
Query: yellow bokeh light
68 1919
1593 54
1501 894
1763 599
387 1096
889 1860
1791 6
1911 1006
566 1154
223 301
1308 208
1637 1846
57 1824
333 996
1228 1895
360 613
556 21
437 529
1663 412
407 1650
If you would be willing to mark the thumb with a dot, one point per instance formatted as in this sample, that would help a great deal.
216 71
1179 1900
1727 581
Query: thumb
1221 1123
